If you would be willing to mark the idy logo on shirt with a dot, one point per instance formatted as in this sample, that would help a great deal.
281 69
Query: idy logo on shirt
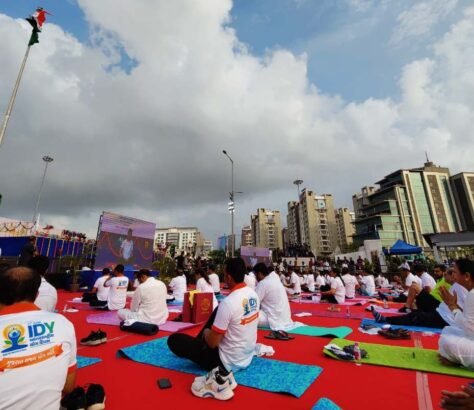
15 336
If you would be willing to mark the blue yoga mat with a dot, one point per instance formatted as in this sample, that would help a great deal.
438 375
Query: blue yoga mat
175 303
264 374
325 404
412 328
86 361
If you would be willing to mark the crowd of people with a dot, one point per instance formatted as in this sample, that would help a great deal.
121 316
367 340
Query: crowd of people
259 297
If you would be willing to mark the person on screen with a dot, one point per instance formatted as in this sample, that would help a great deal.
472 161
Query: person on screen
126 247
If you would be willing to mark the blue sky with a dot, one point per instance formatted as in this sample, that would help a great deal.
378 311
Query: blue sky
348 48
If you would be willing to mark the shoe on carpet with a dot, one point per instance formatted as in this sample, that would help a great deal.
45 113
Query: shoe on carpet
76 400
95 397
404 309
215 386
95 338
200 381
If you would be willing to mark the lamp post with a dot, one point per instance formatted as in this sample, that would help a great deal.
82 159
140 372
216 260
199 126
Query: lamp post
298 182
47 160
231 203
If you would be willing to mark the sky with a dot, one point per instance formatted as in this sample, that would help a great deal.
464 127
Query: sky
135 102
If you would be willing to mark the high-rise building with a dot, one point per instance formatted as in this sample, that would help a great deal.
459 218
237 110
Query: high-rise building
317 222
266 229
407 204
183 238
246 239
293 223
463 190
224 243
345 228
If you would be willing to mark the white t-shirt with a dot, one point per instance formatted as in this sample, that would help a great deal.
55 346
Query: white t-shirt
295 281
273 302
412 278
368 283
204 287
102 291
216 285
283 279
381 281
117 297
250 281
443 308
350 283
320 281
47 296
427 280
126 248
149 301
237 320
40 353
310 282
340 295
178 286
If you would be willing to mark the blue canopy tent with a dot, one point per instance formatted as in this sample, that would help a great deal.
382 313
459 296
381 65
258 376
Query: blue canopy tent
402 248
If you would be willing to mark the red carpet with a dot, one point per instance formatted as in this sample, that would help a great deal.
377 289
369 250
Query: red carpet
131 385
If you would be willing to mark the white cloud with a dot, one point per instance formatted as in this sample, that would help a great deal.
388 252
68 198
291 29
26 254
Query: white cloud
420 19
149 143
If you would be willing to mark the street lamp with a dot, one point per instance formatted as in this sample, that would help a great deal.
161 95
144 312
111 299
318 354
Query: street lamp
231 203
298 182
47 160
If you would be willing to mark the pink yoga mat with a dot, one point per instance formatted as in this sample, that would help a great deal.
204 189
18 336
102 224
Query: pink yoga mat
111 318
351 303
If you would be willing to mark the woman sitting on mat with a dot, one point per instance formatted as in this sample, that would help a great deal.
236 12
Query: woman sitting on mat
456 344
337 291
203 284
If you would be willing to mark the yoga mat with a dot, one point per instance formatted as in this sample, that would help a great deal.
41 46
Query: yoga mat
389 310
341 331
411 358
264 374
351 303
106 318
83 361
340 315
175 303
412 328
111 318
325 404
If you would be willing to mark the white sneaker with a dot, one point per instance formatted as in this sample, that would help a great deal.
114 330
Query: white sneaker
200 381
215 387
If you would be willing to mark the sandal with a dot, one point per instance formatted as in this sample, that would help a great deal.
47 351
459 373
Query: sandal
279 335
395 333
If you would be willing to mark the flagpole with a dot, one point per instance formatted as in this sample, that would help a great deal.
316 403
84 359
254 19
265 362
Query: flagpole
13 96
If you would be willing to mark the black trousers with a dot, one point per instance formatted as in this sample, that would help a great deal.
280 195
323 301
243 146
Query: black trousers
401 298
330 299
426 303
99 304
418 318
89 297
196 348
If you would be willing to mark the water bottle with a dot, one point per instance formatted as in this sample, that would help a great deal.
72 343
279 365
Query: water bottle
348 312
65 308
357 354
385 304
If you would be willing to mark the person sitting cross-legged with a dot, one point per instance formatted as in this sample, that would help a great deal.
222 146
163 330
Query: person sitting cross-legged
275 310
419 295
148 301
227 342
337 291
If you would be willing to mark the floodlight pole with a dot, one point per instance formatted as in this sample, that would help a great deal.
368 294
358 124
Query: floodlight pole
47 159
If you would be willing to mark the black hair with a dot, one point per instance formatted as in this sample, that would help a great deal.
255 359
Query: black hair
18 284
466 266
345 271
261 268
235 267
39 264
145 272
368 271
441 267
203 274
419 267
105 271
119 268
211 266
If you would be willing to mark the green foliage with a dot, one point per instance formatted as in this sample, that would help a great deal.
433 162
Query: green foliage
217 256
166 267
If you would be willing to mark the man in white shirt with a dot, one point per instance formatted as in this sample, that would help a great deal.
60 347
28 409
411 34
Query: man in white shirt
126 247
98 291
275 310
337 292
39 347
214 278
178 285
148 301
118 285
424 282
227 342
250 280
350 283
368 283
294 286
47 294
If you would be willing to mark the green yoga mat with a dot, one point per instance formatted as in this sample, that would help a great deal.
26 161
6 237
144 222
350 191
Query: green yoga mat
411 358
341 331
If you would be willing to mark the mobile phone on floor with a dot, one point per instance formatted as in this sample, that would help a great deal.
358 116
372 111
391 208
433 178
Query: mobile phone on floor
164 383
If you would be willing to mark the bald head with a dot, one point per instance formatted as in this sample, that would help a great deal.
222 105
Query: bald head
18 284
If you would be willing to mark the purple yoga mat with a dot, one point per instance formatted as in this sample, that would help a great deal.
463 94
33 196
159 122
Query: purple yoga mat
349 303
111 318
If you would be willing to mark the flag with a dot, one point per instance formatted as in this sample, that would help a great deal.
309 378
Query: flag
34 38
38 18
